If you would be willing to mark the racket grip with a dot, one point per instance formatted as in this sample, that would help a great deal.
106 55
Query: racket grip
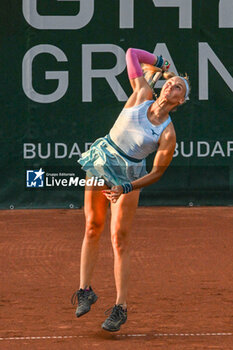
157 76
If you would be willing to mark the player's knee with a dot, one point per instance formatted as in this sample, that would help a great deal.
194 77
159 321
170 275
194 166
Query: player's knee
120 241
93 229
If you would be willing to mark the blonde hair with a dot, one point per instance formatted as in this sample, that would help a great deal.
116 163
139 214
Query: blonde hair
149 72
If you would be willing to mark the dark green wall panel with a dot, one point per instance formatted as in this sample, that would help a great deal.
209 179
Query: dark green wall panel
198 37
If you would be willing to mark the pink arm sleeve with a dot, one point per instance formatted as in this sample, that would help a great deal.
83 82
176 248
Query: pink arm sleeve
133 59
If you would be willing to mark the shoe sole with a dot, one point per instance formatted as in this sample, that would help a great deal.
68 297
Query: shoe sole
113 330
110 330
93 302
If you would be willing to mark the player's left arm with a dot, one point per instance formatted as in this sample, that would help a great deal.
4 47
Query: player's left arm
162 159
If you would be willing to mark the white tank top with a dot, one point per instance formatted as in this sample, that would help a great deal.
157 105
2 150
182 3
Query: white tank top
134 134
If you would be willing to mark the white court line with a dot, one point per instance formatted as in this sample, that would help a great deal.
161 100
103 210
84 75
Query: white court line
177 335
219 334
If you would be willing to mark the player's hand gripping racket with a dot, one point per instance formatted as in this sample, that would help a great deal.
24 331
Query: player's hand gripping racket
152 74
159 74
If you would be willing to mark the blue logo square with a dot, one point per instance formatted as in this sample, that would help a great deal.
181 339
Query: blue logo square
35 178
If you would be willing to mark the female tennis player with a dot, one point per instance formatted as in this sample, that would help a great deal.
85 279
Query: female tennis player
143 126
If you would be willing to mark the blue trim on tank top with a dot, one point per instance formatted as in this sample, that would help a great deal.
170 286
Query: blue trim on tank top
165 124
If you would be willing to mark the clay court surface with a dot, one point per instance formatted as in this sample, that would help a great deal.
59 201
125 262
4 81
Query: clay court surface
181 287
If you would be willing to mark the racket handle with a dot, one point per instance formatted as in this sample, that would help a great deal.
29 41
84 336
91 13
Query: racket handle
157 76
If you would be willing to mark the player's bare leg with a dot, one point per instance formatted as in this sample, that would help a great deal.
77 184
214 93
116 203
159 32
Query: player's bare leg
121 221
95 208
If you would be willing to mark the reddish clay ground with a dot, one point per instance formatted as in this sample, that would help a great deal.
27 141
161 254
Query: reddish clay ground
181 281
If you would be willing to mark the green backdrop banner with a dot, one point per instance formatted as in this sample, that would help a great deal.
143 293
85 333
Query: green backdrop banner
64 82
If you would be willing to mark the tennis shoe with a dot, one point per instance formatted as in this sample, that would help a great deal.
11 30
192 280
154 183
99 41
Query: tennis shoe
114 321
85 299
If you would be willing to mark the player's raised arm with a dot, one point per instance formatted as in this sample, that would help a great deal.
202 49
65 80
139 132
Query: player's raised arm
135 59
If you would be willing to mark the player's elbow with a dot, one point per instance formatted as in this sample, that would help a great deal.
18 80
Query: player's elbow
156 173
129 52
130 56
